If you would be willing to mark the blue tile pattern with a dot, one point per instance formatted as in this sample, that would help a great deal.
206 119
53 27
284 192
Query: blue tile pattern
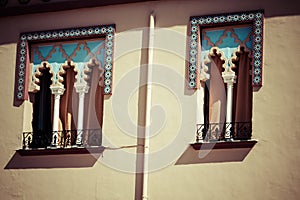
226 38
26 39
197 23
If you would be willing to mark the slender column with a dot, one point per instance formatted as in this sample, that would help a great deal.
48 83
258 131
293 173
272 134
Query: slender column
229 78
57 90
81 89
199 115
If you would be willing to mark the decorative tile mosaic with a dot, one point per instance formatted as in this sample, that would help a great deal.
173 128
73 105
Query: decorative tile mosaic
57 53
65 51
250 36
227 39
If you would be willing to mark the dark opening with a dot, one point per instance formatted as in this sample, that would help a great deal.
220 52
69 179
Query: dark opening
41 123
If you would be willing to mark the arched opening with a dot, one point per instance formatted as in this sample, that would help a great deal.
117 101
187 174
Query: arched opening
242 97
42 112
215 99
93 109
66 113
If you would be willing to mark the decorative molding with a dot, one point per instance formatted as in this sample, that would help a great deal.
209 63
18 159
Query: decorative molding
81 87
62 70
34 84
254 18
26 39
235 56
57 89
229 78
215 51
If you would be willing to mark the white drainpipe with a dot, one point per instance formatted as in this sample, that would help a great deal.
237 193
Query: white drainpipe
148 107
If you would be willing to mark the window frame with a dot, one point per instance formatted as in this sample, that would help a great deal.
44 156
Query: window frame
255 18
22 71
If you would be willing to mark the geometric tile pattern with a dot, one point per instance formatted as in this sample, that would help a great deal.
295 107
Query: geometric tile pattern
26 39
77 51
227 39
80 52
198 23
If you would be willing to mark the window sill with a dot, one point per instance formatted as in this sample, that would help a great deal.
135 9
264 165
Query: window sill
213 152
80 157
61 151
224 144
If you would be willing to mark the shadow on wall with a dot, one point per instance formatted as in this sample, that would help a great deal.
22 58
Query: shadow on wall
126 16
54 158
216 152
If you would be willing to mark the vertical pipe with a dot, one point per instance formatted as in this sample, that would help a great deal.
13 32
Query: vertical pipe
148 107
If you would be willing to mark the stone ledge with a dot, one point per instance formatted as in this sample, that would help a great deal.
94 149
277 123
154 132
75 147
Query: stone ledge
235 151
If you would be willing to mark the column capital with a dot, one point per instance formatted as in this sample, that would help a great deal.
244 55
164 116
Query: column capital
81 87
229 77
57 89
203 75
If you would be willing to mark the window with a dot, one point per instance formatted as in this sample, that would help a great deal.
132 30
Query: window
70 71
225 66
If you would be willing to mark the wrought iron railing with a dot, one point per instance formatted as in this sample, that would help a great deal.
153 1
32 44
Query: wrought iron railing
62 139
224 131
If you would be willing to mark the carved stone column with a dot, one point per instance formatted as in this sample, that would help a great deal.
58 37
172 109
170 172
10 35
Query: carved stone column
81 89
57 90
229 78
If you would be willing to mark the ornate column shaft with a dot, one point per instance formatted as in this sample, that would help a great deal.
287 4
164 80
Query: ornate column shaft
229 78
57 90
81 89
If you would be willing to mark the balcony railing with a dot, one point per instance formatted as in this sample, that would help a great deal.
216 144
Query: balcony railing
224 131
65 139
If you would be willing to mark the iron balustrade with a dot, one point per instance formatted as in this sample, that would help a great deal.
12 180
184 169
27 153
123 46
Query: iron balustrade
65 139
216 131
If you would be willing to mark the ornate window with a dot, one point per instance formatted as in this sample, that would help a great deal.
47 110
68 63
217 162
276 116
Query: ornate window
225 64
65 74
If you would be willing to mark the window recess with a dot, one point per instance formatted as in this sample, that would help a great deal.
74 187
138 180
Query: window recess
225 67
65 75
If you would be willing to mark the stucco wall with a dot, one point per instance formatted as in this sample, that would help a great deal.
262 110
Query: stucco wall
270 171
